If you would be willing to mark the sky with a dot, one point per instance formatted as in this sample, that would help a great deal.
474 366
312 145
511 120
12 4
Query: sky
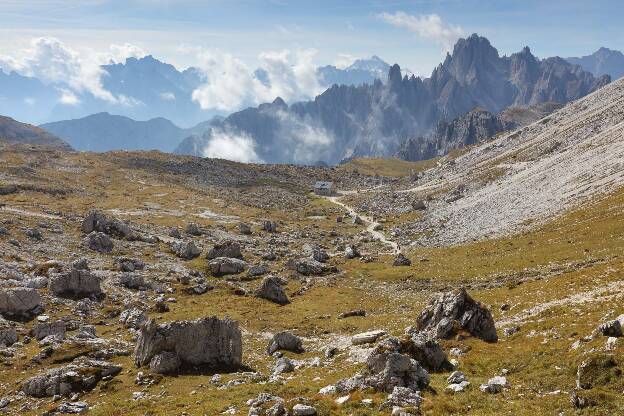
413 33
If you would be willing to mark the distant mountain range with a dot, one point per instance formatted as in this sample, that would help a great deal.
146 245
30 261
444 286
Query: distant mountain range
103 132
358 115
362 71
602 62
12 131
375 119
150 89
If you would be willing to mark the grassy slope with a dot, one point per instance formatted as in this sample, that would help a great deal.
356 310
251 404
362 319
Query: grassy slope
574 254
387 167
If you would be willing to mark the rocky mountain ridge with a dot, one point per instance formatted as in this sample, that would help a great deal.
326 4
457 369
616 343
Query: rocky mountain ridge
103 132
604 61
476 126
12 131
373 120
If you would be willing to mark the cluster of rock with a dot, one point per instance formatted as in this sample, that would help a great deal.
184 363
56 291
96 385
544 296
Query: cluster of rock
454 311
401 366
79 376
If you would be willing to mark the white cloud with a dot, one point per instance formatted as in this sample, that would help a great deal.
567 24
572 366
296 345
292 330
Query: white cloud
343 60
230 146
306 142
167 96
69 98
53 62
429 27
119 53
231 84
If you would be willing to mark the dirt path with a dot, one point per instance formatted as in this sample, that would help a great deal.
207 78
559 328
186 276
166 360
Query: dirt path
371 223
30 213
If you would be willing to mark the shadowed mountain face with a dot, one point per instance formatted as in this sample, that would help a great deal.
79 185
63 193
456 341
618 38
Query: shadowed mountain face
373 120
474 127
602 62
12 131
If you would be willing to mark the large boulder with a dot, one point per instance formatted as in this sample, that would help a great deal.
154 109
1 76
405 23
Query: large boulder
98 222
208 342
77 282
19 302
8 334
229 249
73 378
186 250
222 266
42 330
99 242
272 289
456 310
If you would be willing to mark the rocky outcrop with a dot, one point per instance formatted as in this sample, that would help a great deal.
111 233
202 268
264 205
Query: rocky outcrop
20 302
205 343
604 61
476 126
186 250
311 267
426 351
8 334
126 264
229 249
56 329
74 378
373 120
222 266
272 289
78 281
99 242
389 368
96 221
456 310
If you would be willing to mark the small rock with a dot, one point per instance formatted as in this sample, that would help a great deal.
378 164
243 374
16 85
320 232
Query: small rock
494 385
401 260
283 365
99 242
303 410
367 337
285 341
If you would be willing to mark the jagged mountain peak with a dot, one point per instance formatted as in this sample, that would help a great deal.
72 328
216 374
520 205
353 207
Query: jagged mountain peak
604 61
372 120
